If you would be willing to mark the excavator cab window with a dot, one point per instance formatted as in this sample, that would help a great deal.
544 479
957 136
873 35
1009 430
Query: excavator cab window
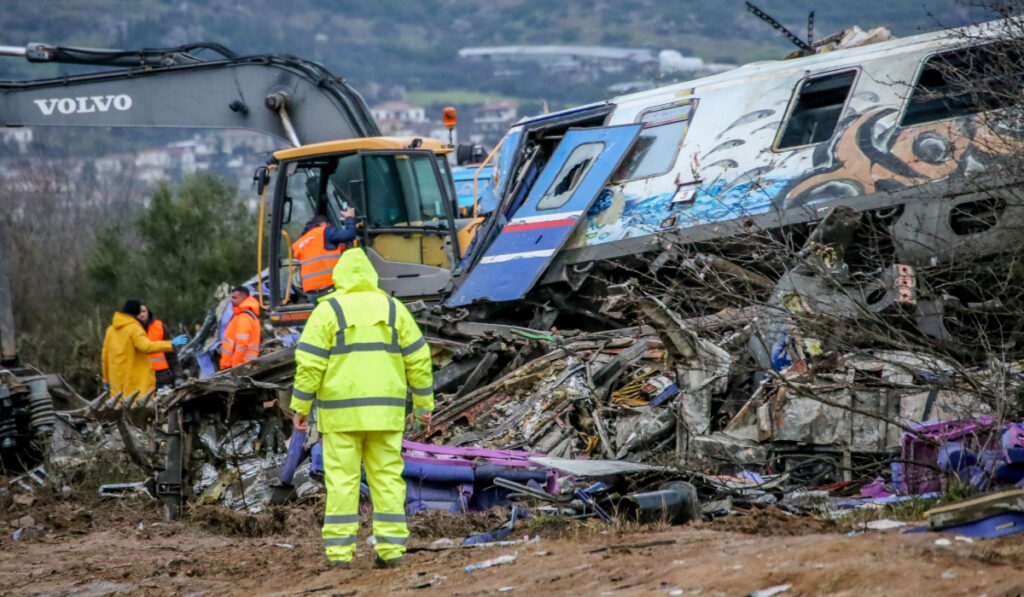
446 175
404 192
344 186
408 208
300 204
403 205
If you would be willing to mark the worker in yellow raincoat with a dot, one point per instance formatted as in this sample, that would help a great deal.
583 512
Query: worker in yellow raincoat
359 356
126 349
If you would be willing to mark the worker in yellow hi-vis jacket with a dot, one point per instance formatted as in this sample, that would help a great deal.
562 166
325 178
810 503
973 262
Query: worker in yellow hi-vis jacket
360 353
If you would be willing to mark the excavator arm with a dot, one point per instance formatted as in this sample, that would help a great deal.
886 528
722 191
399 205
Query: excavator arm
287 97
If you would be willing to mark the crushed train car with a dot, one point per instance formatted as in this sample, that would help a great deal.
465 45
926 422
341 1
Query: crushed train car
907 134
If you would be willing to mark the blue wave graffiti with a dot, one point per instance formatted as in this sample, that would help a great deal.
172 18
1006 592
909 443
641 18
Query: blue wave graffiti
719 202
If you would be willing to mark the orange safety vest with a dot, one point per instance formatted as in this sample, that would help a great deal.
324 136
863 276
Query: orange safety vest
316 263
241 341
155 332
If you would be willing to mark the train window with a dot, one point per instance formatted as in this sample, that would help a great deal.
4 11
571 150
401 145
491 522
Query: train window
819 102
963 82
570 175
658 143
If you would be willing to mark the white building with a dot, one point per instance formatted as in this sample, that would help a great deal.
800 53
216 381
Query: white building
400 111
20 137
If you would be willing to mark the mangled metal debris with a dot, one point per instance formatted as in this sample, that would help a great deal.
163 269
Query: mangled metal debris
32 405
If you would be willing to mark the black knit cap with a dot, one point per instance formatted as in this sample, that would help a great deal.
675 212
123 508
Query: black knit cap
132 307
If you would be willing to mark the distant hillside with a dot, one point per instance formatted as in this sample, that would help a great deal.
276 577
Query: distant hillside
411 45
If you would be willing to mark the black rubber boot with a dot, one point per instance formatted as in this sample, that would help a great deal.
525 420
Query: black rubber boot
392 563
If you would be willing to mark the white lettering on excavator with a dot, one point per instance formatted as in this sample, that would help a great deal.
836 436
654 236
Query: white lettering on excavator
103 103
84 105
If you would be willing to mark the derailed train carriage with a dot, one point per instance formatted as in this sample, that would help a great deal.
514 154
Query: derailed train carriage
909 139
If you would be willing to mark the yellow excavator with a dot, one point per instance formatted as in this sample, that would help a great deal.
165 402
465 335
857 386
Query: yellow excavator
332 157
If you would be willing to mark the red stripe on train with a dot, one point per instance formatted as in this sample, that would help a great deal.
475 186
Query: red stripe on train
538 225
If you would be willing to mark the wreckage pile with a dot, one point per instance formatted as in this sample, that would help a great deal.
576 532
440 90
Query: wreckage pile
670 399
744 406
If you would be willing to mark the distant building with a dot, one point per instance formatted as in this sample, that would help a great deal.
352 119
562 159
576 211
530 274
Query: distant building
631 87
589 63
231 153
401 118
152 165
495 117
401 111
20 138
580 62
671 61
240 142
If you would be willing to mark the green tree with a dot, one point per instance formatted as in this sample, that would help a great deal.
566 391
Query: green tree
189 239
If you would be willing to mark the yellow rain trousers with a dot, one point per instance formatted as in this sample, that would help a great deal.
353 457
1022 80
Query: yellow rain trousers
360 354
381 454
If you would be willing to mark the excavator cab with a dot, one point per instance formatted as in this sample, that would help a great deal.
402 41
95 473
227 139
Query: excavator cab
405 207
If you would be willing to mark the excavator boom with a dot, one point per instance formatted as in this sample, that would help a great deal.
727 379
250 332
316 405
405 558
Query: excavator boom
282 96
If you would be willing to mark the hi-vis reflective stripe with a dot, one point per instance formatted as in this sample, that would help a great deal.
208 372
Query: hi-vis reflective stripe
320 258
341 518
242 336
357 402
313 350
158 358
303 395
317 273
421 391
385 517
340 540
366 347
340 347
408 350
392 540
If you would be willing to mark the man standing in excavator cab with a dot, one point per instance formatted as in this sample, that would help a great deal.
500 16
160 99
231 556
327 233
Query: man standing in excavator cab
360 354
318 251
242 337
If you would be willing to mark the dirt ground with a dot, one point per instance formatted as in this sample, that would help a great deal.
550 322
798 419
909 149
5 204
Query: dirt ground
123 547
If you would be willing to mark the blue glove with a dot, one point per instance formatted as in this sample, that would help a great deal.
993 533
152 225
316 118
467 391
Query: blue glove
106 387
179 341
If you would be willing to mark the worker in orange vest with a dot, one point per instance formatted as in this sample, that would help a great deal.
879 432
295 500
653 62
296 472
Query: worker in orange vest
165 364
318 250
241 341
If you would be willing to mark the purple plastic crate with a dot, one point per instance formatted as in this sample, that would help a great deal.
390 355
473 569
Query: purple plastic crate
920 449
